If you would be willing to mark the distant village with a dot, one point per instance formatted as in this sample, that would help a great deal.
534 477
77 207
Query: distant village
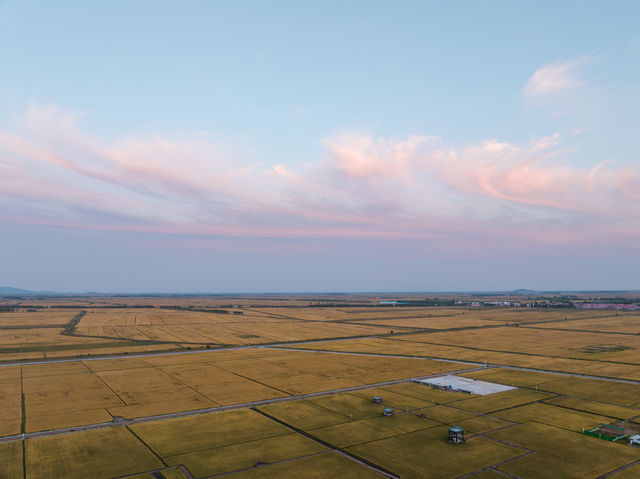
519 304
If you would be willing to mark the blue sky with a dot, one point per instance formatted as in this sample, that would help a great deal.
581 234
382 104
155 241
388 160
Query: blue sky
284 146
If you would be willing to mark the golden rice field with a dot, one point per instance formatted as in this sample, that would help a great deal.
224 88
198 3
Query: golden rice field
534 431
529 432
58 395
609 323
32 333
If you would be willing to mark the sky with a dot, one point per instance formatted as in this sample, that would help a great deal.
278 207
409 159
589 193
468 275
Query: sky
329 146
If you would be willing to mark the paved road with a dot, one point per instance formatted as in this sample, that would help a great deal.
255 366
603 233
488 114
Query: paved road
196 412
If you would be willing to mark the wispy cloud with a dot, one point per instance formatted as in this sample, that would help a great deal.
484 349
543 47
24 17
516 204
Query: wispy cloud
555 77
363 186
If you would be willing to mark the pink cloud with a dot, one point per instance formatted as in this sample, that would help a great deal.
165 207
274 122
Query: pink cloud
418 187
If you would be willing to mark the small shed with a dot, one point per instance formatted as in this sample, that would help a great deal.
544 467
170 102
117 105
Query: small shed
377 400
634 440
387 412
456 435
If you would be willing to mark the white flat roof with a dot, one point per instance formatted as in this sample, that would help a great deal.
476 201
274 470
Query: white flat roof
466 384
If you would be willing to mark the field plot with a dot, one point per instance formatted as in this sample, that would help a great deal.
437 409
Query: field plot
250 327
530 432
488 474
304 414
567 344
354 432
37 334
36 318
11 460
594 407
173 437
511 377
561 453
424 393
498 401
532 350
361 313
391 398
631 473
244 455
221 386
456 322
324 466
481 424
68 394
168 473
10 401
553 416
69 398
44 339
413 455
621 394
224 442
608 323
88 454
307 372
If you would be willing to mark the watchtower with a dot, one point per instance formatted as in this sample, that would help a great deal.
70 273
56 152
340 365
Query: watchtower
456 435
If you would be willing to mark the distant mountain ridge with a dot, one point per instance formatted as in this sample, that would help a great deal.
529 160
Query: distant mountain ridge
10 290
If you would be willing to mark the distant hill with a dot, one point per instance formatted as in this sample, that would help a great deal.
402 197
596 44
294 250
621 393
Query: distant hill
10 290
524 291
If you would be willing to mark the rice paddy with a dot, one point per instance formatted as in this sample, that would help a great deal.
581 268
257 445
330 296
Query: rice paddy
306 408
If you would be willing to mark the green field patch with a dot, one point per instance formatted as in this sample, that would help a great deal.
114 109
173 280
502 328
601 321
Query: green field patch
99 454
245 455
372 429
426 453
206 431
323 466
562 453
553 416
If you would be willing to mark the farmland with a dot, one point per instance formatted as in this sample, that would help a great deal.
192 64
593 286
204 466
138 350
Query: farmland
260 388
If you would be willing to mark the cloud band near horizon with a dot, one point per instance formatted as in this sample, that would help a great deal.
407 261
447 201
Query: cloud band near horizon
360 186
